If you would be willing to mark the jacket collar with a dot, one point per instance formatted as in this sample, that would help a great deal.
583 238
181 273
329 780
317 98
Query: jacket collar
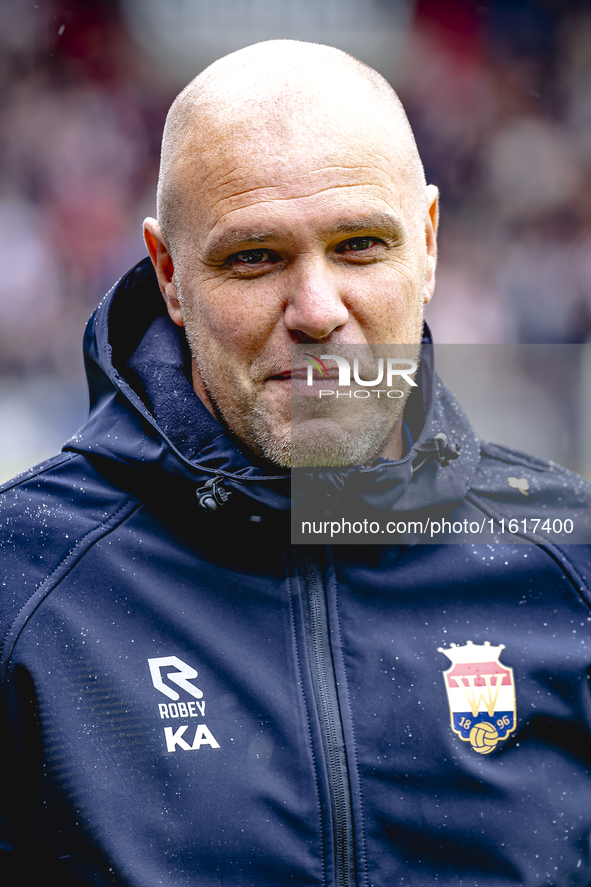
145 417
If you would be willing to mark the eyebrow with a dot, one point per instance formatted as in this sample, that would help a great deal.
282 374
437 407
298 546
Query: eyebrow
383 223
234 237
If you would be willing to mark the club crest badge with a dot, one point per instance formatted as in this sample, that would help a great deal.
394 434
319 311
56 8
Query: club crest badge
481 695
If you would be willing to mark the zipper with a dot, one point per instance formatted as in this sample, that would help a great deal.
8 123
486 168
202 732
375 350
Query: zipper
319 654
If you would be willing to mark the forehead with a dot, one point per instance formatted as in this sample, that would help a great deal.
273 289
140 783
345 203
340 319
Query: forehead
295 167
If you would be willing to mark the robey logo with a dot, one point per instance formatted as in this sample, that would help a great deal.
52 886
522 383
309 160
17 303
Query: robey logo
181 677
166 669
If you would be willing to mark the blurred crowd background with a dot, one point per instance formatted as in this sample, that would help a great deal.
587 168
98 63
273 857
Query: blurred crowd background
498 94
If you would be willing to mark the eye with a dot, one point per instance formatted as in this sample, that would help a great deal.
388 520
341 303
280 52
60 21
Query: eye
357 244
253 257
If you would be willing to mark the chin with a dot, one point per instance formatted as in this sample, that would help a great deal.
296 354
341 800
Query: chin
316 448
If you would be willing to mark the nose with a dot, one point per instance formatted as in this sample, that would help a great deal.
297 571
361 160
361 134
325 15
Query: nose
315 307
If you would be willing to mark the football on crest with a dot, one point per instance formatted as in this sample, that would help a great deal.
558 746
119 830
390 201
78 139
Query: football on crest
483 738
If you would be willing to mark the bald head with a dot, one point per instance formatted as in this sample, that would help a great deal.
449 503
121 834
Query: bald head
280 96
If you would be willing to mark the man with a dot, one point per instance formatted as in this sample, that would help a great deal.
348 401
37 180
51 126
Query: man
187 698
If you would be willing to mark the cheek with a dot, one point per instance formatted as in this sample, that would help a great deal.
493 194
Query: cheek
238 318
386 300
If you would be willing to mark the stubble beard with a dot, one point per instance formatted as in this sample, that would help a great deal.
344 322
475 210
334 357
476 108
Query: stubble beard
299 444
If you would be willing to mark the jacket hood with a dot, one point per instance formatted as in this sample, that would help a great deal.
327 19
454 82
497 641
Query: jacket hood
146 419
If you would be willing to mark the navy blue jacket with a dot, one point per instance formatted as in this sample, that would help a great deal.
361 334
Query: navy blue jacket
189 699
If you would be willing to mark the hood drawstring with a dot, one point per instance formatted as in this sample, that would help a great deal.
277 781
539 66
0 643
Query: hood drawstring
212 494
437 448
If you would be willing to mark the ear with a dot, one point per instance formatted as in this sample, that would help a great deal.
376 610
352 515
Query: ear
163 265
431 223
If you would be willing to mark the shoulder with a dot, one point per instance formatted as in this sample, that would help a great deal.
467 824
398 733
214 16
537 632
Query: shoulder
515 475
542 500
49 517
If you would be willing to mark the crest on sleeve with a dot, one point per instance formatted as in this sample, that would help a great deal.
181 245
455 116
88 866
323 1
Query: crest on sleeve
481 695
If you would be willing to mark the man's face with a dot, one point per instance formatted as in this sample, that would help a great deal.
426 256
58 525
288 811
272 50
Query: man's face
292 239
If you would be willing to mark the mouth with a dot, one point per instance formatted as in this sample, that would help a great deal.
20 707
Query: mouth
302 373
